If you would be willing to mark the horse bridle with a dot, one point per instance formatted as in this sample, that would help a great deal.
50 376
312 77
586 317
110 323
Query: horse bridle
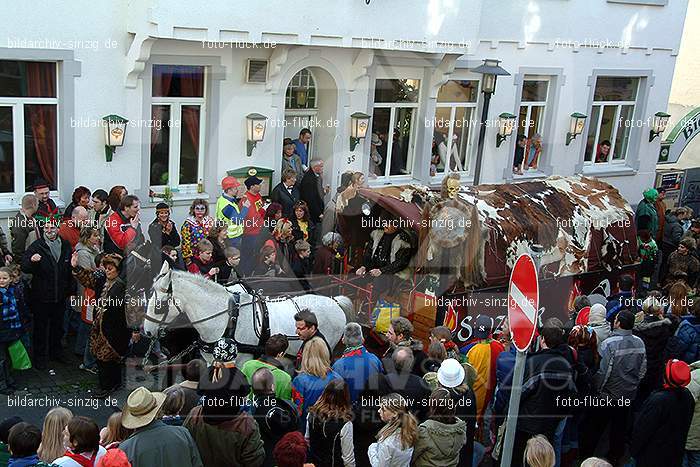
169 295
158 310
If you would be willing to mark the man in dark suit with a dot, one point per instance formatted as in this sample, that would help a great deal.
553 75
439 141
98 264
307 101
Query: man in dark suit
286 193
48 261
313 191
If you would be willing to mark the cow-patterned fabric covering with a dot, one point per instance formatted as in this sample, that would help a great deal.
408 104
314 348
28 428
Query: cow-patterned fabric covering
583 224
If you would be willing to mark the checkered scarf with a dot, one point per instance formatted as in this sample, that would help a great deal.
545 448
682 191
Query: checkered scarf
9 307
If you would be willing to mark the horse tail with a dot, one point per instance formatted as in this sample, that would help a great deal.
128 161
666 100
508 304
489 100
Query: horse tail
346 305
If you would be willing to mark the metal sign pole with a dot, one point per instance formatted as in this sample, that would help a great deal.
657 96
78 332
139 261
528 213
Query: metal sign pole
516 387
513 408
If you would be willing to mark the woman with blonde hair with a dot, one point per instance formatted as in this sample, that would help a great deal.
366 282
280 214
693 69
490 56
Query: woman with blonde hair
394 446
538 452
53 443
114 433
314 376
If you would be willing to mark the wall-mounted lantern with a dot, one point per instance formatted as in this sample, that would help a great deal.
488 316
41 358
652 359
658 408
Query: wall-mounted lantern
255 125
576 125
115 130
659 125
506 123
359 124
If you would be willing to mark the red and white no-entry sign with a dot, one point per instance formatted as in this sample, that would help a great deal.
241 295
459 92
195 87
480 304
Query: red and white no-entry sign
523 302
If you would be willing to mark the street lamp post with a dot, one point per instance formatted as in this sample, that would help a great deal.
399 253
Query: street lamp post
490 71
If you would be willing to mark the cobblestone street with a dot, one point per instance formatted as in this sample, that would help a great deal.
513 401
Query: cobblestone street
66 385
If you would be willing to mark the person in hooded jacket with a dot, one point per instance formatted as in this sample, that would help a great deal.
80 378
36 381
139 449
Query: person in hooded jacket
441 437
646 216
451 376
685 344
598 324
654 330
659 436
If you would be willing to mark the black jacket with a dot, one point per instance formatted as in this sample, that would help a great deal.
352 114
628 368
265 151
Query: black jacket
673 232
661 429
366 423
412 387
655 333
299 235
309 192
222 398
276 417
159 238
324 441
419 356
548 374
51 279
282 196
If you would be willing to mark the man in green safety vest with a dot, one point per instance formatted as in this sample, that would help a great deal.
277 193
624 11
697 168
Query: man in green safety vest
229 212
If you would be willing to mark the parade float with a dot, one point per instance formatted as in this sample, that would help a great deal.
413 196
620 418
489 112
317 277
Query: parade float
579 229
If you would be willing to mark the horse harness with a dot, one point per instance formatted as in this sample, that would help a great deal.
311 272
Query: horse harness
261 323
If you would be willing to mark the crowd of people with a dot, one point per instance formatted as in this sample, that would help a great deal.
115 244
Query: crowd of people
69 272
617 380
614 381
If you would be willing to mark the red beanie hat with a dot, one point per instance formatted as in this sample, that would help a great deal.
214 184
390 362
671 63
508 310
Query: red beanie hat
114 458
582 317
677 374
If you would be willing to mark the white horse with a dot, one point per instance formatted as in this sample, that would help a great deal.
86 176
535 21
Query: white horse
208 307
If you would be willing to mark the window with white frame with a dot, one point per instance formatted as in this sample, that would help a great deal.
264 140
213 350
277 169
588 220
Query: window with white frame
178 110
610 119
530 123
28 126
456 104
393 127
301 92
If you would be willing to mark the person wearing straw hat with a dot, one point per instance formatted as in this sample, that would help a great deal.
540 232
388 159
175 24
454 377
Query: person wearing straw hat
154 443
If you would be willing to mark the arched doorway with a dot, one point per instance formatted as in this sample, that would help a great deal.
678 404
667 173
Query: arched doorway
311 102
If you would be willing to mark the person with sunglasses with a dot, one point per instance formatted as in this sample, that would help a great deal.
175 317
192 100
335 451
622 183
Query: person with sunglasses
195 229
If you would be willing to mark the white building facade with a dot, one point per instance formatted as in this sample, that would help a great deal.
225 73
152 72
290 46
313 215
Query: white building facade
205 66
